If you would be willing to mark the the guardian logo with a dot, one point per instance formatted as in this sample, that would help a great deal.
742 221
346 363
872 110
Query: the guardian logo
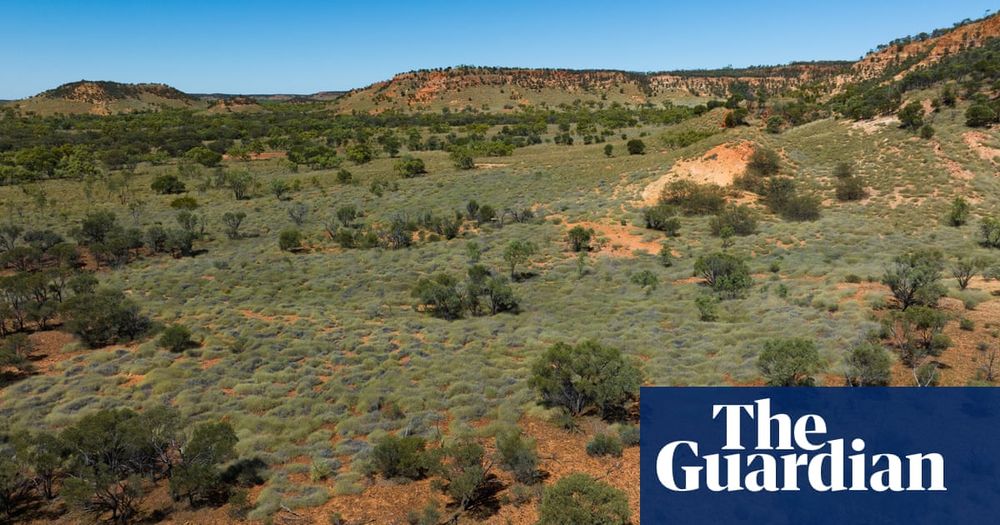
789 455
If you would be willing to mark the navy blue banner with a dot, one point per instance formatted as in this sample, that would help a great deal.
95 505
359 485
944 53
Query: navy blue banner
820 456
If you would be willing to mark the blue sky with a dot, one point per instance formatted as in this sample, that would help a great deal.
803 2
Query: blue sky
307 46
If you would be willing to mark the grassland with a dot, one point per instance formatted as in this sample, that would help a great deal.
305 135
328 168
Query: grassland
303 352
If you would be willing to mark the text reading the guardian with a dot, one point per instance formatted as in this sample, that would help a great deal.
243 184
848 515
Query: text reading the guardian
774 456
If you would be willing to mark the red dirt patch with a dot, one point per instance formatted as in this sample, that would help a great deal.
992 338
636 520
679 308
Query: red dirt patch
618 240
719 165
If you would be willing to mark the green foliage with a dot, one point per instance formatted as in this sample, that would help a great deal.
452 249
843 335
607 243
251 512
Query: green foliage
914 278
958 214
609 150
401 457
440 295
989 230
850 189
409 167
176 338
204 156
789 362
964 269
605 445
645 279
685 138
911 117
980 115
464 469
518 455
764 162
774 123
167 184
579 498
662 217
518 252
290 240
198 475
727 274
462 159
635 147
232 222
740 219
868 364
708 308
184 203
693 198
584 377
103 317
579 238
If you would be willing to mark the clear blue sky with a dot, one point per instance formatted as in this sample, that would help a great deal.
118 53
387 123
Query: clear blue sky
307 46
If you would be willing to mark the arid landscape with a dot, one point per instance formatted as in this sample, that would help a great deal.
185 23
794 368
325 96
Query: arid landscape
434 299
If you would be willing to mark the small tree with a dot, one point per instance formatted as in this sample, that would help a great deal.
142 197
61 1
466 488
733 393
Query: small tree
298 213
608 150
774 123
789 362
868 364
726 273
990 231
439 294
914 278
911 117
578 498
198 475
965 269
232 222
635 147
518 252
645 279
583 377
579 238
280 189
958 214
103 317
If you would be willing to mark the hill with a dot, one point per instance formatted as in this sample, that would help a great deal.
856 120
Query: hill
908 54
502 88
106 98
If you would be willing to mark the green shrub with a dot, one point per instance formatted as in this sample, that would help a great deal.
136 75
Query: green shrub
958 214
579 238
990 231
629 435
103 317
789 362
662 217
635 147
290 240
167 184
726 273
578 498
850 189
740 219
176 338
583 377
693 198
518 455
914 278
410 167
462 159
868 364
605 445
401 457
708 308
